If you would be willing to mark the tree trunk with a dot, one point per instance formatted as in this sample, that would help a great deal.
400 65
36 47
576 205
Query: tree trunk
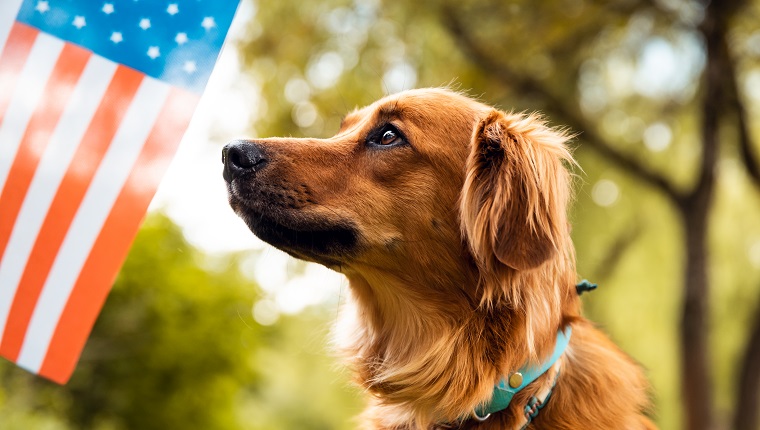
695 369
696 380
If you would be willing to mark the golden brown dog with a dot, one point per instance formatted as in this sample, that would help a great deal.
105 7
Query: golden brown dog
448 218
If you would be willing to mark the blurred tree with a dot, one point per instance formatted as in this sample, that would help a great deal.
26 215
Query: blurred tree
661 93
171 338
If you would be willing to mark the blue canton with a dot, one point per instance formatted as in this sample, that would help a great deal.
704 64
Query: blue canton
176 41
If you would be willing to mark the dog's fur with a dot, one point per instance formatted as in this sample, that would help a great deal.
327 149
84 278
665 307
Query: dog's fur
457 248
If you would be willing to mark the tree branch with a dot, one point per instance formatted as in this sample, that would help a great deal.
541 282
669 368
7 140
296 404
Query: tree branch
672 16
713 31
745 142
720 85
567 114
746 146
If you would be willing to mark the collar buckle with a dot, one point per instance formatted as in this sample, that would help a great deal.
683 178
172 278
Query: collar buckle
505 390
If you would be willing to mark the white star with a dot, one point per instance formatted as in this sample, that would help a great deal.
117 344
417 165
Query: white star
189 67
172 9
181 38
144 23
42 6
79 22
153 52
108 8
208 23
116 37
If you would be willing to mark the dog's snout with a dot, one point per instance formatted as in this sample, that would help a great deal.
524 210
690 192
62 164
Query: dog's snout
240 157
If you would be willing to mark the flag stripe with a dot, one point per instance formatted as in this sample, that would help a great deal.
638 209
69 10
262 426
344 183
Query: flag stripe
100 270
89 154
26 96
42 60
42 124
91 215
64 142
8 11
12 61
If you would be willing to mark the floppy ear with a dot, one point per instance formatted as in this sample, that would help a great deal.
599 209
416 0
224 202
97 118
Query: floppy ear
514 201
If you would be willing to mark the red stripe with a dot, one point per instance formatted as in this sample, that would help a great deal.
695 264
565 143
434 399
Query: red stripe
62 210
110 248
56 94
16 51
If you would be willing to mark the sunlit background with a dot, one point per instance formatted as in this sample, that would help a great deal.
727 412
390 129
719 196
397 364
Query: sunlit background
207 327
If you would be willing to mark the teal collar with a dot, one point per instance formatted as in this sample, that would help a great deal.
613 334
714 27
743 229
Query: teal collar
507 387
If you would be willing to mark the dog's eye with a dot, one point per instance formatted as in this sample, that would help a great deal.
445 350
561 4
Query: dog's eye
389 137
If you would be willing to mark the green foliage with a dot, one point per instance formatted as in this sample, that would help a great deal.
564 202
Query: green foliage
303 386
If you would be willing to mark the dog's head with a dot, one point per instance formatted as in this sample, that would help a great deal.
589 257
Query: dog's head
426 186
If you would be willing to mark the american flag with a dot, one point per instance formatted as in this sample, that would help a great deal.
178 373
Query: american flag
94 99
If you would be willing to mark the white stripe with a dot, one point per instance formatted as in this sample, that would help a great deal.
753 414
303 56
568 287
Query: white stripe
8 11
88 222
27 94
55 161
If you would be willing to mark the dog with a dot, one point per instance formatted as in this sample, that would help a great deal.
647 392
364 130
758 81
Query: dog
448 217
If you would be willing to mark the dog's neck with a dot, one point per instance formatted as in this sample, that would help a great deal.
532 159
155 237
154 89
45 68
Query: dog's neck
431 353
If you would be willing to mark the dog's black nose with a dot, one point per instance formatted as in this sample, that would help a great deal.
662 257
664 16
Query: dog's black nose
240 157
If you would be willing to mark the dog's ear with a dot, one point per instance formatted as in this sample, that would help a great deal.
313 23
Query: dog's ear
513 206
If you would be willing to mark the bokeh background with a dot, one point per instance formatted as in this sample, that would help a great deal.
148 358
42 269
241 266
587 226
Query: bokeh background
207 328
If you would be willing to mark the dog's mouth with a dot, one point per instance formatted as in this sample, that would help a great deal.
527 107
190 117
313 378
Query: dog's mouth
327 242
